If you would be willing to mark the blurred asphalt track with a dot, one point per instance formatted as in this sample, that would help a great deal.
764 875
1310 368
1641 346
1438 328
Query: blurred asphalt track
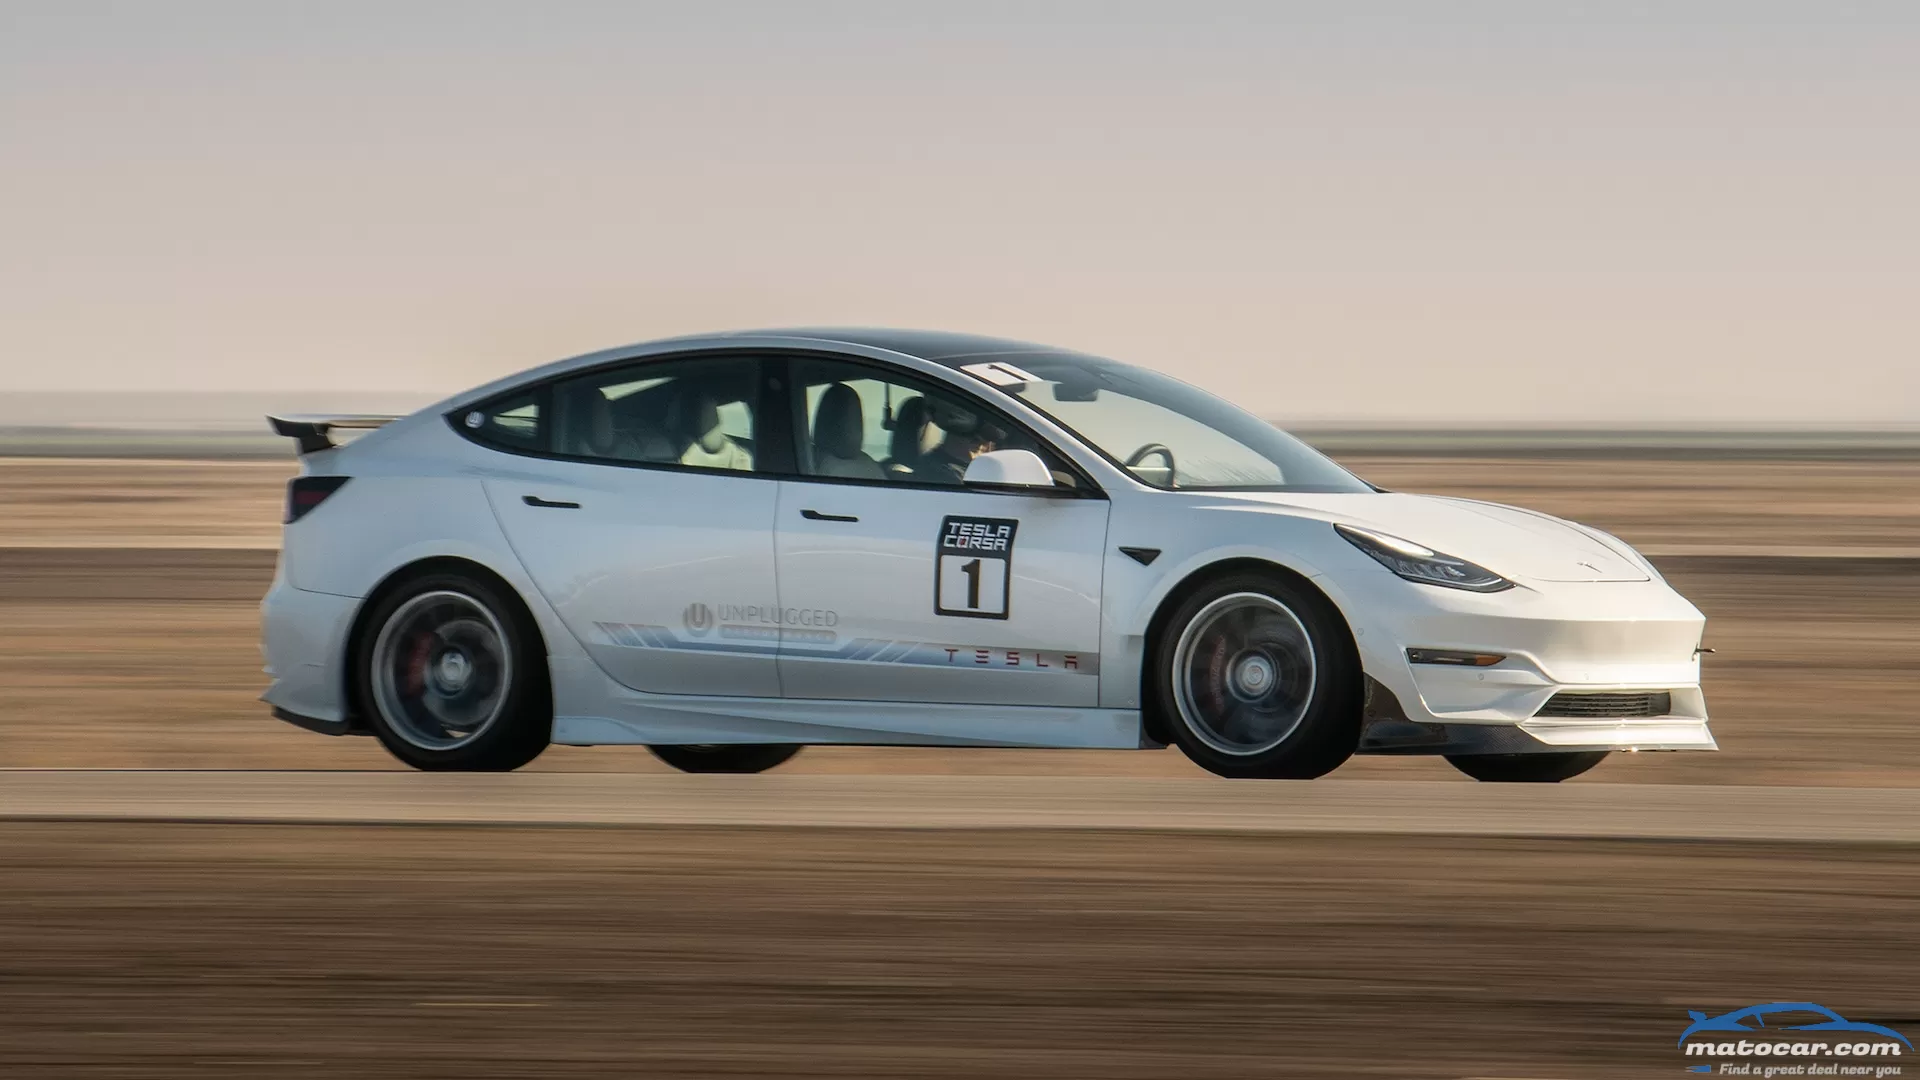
1624 811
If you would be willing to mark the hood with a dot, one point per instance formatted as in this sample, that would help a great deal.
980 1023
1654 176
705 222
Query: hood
1505 539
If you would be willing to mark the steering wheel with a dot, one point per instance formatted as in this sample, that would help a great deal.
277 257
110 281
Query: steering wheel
1150 450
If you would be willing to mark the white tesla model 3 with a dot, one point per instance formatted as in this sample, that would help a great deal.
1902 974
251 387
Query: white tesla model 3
727 547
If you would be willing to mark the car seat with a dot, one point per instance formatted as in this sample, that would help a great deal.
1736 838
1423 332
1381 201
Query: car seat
839 429
909 436
706 445
593 434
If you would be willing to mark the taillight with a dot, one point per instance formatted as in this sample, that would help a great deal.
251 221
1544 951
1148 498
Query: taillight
306 492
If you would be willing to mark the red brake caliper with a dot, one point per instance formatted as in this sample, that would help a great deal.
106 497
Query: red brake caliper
417 665
1217 676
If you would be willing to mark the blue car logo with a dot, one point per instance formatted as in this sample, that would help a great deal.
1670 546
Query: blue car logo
1752 1020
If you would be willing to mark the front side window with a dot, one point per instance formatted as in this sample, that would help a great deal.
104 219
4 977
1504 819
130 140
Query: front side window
696 413
858 423
1163 431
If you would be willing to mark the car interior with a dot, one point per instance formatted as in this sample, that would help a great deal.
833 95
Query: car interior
704 422
927 439
860 428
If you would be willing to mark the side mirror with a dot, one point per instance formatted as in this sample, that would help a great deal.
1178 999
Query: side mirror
1009 469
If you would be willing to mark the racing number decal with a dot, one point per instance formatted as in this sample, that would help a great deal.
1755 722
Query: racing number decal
973 571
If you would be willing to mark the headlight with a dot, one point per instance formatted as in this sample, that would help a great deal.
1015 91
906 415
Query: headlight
1421 564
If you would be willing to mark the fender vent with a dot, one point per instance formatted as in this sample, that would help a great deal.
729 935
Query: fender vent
1608 706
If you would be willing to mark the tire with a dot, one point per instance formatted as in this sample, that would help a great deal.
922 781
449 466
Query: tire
451 675
726 758
1526 768
1256 676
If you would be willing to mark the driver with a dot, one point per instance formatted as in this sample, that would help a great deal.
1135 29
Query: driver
966 437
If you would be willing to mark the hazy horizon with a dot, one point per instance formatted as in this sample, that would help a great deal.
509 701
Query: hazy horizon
190 411
1497 213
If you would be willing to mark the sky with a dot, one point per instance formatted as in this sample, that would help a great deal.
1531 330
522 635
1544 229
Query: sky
1529 212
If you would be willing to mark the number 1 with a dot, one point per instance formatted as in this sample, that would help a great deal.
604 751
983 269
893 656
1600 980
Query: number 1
972 570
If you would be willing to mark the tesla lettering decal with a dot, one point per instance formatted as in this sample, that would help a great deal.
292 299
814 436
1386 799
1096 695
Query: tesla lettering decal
973 567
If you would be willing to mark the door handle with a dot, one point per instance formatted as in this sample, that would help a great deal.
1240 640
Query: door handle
815 515
535 500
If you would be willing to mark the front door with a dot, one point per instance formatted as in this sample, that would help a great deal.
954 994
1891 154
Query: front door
646 527
899 584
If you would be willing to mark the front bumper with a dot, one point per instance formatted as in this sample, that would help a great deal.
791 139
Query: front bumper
1388 730
1586 637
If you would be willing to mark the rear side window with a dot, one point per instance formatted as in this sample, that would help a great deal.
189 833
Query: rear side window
695 413
510 423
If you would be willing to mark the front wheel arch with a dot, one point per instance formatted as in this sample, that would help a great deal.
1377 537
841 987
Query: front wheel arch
439 564
1159 727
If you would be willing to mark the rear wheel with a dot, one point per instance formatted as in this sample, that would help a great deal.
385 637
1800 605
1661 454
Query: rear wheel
1526 768
1257 677
726 758
451 676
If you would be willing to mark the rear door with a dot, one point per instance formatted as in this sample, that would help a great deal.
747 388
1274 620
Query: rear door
899 584
644 520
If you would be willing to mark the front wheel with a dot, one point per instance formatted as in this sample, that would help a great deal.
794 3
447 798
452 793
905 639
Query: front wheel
1257 676
726 758
1526 768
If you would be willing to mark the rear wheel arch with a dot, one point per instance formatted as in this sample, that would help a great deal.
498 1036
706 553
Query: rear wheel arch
413 571
1159 727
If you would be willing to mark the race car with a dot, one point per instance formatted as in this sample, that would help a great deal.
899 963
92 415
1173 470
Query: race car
727 547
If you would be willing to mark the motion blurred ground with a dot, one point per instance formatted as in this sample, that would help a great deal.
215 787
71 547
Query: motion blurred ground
128 624
128 595
387 952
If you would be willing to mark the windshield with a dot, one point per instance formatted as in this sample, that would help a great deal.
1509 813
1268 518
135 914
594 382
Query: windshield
1163 431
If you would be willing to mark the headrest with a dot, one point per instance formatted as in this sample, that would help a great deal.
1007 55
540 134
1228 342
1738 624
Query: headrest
839 424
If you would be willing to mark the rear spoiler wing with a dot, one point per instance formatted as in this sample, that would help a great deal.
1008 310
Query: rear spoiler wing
309 431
